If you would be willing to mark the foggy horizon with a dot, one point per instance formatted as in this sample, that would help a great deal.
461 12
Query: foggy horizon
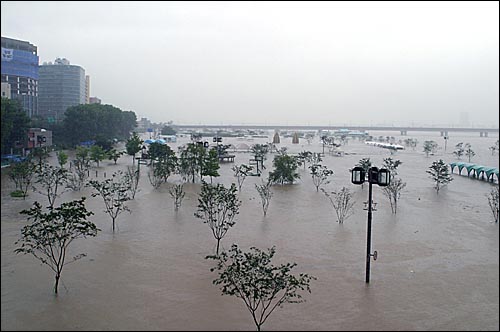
278 63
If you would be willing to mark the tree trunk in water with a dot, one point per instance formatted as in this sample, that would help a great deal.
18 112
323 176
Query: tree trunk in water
113 225
57 283
218 241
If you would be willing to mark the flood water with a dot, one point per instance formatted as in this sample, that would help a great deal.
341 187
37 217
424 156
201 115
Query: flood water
437 266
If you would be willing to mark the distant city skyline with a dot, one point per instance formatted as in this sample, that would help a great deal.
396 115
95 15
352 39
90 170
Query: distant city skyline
296 63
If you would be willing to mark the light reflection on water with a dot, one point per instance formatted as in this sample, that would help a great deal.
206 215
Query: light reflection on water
437 265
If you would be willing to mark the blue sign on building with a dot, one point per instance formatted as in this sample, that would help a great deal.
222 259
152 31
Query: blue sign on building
19 63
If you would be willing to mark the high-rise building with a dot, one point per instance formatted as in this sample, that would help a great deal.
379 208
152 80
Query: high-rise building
61 85
20 71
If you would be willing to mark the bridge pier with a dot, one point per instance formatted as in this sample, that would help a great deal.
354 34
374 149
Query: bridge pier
444 133
483 134
404 132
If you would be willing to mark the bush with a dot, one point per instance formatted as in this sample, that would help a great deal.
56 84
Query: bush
17 193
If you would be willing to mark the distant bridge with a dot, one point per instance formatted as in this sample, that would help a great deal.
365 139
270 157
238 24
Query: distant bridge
483 132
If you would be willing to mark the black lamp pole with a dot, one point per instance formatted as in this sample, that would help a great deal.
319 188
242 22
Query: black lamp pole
369 230
375 176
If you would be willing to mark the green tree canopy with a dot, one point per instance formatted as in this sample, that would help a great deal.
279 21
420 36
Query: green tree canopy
217 207
49 235
191 160
261 285
96 121
285 169
210 164
439 172
133 145
15 124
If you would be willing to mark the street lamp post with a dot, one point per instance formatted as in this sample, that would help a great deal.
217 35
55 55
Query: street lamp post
375 176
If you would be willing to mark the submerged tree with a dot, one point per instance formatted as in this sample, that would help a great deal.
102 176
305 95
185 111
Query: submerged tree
81 169
21 174
364 163
261 285
155 175
132 177
493 202
177 193
342 203
396 185
285 169
430 147
217 208
163 164
133 145
49 235
320 175
303 157
241 172
53 182
494 148
41 154
210 164
459 150
159 172
440 174
265 194
191 161
114 192
469 152
62 158
113 154
97 154
315 158
260 151
411 142
393 192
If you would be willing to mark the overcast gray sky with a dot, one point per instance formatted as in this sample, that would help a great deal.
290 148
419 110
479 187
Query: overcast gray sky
420 63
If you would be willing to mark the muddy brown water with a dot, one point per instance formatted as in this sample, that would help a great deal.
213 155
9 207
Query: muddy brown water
437 269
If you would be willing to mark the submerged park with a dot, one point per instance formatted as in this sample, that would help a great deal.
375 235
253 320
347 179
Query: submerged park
436 265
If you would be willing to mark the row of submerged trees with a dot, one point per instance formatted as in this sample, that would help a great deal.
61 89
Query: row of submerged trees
246 275
461 148
197 161
250 275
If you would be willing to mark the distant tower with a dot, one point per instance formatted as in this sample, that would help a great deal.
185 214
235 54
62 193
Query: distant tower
61 85
295 138
87 89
